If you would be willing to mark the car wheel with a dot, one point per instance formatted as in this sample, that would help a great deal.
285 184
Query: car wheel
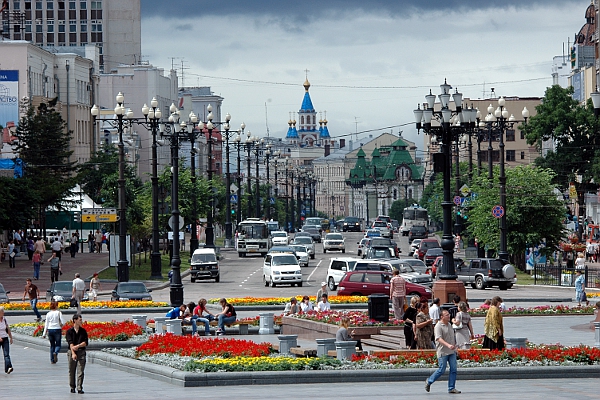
473 285
343 250
509 286
479 283
218 278
331 284
324 250
240 255
193 280
503 286
414 294
273 284
265 280
356 294
312 256
300 284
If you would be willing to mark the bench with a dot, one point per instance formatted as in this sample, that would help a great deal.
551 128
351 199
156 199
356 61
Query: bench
242 325
333 353
409 351
298 351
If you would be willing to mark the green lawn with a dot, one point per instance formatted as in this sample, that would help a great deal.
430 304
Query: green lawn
141 269
523 278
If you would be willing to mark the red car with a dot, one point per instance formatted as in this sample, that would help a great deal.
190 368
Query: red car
364 283
425 245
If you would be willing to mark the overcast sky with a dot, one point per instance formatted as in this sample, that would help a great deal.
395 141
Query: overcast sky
370 62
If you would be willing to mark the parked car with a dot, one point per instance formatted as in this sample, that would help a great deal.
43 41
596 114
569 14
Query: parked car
363 245
314 233
301 254
308 242
370 233
425 245
279 238
487 272
3 295
384 228
378 252
431 255
62 291
281 268
334 241
413 247
458 262
204 265
351 224
364 283
125 291
337 269
417 232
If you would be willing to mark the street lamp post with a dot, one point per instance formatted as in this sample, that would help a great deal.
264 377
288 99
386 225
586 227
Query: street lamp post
268 202
258 145
192 138
238 145
228 224
249 141
287 201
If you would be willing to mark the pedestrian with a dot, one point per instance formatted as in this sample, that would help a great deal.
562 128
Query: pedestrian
30 248
463 327
33 292
306 304
107 240
397 294
434 310
409 317
446 353
74 247
36 261
580 295
176 312
95 286
57 246
225 317
6 340
77 338
91 242
580 261
55 267
423 327
78 289
12 253
292 307
40 245
494 327
324 304
98 239
453 310
53 329
321 291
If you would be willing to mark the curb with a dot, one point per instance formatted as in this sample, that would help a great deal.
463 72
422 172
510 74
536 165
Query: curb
43 344
86 311
188 379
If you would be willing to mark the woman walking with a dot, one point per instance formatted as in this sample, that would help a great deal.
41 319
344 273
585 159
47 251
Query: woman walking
409 317
580 295
464 328
53 328
423 327
494 327
5 340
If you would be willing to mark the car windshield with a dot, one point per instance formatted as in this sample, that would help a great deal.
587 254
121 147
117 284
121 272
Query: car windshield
132 288
418 229
205 257
430 245
381 242
303 240
285 260
63 286
415 263
381 253
279 234
434 252
334 236
351 219
301 249
404 268
380 224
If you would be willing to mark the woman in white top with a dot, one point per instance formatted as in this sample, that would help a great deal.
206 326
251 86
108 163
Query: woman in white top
6 340
53 328
580 261
306 304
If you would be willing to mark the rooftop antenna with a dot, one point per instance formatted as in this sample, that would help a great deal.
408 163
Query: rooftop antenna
267 120
356 122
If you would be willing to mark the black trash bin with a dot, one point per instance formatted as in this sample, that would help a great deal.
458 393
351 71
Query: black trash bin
379 307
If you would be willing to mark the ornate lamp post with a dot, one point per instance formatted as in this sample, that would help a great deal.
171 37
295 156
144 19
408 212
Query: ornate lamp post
267 165
238 145
258 146
249 143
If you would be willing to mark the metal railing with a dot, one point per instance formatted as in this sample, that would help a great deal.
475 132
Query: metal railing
556 275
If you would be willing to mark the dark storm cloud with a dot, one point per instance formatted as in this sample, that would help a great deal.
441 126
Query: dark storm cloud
309 9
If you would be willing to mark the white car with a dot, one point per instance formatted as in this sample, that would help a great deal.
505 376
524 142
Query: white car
384 228
334 241
308 242
281 268
279 238
413 247
301 254
337 269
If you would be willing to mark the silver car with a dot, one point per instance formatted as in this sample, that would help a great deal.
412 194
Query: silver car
308 242
301 254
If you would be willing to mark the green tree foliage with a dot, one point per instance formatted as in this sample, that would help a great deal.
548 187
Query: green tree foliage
397 208
44 146
91 175
533 211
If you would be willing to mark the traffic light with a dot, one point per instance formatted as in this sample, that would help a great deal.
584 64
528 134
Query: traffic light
233 211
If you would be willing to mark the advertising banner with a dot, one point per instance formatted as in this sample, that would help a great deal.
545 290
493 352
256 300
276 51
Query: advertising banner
9 97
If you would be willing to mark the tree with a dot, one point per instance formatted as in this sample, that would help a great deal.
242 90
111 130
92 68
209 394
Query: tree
44 146
91 174
534 214
396 210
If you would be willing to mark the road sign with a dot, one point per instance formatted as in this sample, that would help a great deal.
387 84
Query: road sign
99 211
233 198
271 200
457 200
464 202
464 190
497 211
99 218
302 213
181 222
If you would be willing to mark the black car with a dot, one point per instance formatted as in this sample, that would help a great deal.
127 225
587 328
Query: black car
431 255
130 291
3 294
314 234
351 224
417 232
379 252
62 291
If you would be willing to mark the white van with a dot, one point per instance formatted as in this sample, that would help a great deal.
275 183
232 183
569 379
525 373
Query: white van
281 268
204 265
337 269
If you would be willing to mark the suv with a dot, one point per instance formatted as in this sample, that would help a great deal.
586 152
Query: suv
417 232
337 269
384 228
409 273
204 265
364 283
334 241
351 224
486 272
363 245
281 268
431 255
437 265
308 242
425 245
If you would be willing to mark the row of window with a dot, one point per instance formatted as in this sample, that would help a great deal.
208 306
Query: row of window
510 155
39 5
95 27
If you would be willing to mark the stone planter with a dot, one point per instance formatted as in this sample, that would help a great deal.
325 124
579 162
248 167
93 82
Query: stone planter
311 330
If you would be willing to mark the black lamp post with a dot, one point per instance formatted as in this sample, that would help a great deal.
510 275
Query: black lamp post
228 224
287 198
268 167
257 148
249 142
238 145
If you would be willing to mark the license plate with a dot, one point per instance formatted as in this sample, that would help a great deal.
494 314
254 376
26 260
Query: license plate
252 250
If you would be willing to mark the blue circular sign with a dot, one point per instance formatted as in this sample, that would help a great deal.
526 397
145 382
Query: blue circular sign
497 211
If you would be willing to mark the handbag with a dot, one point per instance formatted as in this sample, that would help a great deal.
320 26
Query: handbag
73 302
457 326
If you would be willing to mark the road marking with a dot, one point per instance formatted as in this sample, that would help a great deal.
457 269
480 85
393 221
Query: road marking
314 270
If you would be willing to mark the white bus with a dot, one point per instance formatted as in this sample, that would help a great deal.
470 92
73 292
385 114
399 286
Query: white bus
414 216
253 237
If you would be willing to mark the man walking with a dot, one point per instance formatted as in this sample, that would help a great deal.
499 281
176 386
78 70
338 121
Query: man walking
77 338
91 242
98 239
434 310
57 247
55 267
78 289
398 294
446 353
34 294
40 246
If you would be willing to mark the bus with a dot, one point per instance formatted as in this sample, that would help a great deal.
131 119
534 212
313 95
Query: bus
253 237
414 215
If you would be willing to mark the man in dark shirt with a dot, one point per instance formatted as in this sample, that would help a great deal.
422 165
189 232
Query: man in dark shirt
33 292
77 339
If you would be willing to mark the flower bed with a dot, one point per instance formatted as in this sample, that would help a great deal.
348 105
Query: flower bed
357 318
262 301
198 347
538 310
264 363
107 331
45 305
